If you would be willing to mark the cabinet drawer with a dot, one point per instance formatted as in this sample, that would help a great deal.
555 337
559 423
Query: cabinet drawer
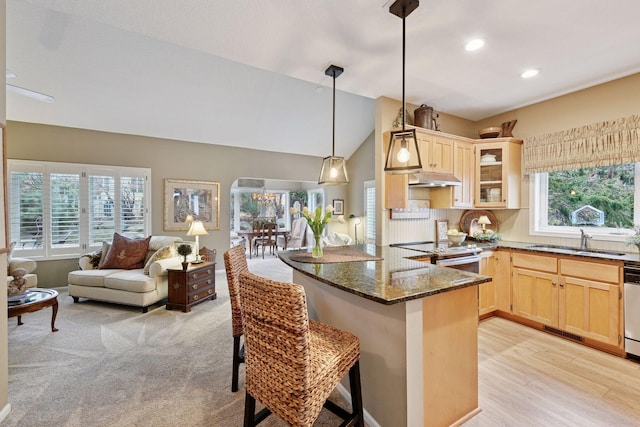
535 262
591 270
204 293
199 274
202 283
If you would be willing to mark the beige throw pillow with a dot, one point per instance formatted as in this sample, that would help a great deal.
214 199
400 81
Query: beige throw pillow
162 253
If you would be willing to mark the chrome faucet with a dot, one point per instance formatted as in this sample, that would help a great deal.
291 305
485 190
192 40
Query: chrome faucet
584 239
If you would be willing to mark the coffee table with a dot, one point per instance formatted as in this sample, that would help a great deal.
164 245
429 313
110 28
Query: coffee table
38 299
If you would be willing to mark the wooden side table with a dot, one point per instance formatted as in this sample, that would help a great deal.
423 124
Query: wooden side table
191 287
39 299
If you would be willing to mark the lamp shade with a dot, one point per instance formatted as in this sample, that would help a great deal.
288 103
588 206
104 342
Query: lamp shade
333 171
197 229
484 220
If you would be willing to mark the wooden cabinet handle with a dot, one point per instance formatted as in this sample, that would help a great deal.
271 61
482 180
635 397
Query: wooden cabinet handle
210 291
194 286
208 271
195 297
209 282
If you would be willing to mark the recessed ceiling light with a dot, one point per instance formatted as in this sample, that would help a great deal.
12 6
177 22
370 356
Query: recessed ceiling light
474 44
9 73
527 74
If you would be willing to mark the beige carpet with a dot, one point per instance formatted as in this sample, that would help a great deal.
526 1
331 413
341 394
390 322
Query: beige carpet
113 366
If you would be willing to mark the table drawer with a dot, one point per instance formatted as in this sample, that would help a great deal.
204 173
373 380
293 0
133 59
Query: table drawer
203 293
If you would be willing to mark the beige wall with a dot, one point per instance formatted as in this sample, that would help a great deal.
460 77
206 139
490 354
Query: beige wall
607 101
4 357
167 159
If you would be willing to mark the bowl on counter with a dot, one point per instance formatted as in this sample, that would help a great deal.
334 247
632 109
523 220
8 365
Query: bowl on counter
456 239
490 132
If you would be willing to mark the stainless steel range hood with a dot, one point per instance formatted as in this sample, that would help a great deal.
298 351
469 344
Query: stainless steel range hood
431 179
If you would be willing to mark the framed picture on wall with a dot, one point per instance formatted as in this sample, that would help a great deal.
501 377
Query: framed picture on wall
442 226
338 207
200 199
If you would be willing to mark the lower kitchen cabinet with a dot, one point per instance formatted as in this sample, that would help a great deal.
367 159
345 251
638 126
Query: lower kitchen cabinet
591 308
487 301
573 296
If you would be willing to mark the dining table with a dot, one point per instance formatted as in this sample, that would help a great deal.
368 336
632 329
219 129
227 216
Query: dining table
248 235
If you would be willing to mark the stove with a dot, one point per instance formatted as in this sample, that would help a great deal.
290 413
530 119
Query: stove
439 251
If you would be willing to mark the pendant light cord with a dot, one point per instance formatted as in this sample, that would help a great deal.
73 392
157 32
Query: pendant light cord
403 58
333 147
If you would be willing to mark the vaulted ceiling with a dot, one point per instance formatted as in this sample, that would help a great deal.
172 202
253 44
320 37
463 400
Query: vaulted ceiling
251 73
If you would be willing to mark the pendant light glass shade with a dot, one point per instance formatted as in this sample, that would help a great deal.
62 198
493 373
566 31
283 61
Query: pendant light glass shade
403 153
334 169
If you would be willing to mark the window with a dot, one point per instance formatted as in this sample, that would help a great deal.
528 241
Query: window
603 200
370 211
251 203
60 209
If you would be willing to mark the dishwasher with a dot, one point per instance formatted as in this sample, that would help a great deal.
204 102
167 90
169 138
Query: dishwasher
632 309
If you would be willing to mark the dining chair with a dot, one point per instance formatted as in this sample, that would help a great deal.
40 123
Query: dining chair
267 238
235 263
297 237
293 363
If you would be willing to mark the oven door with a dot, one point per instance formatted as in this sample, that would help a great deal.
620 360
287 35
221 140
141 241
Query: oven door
466 263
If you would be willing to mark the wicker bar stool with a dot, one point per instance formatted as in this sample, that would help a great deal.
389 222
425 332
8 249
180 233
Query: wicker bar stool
294 363
235 262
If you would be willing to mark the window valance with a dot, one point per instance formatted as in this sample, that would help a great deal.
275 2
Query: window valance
613 142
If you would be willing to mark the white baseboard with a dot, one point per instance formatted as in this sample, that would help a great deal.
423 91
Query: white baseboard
5 411
371 422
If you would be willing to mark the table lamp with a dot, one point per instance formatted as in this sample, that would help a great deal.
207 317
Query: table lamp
355 227
197 229
484 221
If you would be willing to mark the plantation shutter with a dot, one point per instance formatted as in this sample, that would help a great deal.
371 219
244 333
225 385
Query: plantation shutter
370 210
26 194
101 213
64 210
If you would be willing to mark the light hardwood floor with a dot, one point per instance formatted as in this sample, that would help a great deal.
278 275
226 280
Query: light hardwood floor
531 378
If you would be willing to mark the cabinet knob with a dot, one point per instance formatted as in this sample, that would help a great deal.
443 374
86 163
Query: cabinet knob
195 297
208 271
553 283
562 285
194 286
210 291
209 282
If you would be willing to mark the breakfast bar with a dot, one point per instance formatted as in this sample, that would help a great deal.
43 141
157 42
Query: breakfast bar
417 324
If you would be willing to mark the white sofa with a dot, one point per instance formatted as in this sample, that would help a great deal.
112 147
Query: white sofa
128 287
29 265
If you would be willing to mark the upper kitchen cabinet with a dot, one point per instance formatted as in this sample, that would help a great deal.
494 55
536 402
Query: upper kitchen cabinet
498 173
458 196
436 152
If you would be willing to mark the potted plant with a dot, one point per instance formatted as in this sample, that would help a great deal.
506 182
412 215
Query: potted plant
634 239
184 250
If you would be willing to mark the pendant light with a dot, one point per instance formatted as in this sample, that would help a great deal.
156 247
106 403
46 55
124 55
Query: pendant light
403 154
334 169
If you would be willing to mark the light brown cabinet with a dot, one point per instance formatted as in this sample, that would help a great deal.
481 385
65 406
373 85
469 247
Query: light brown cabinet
460 196
487 301
590 300
498 173
436 153
575 296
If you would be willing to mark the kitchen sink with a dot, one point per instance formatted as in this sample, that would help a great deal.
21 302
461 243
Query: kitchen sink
574 251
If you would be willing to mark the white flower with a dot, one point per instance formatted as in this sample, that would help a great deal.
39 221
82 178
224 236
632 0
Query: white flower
293 211
305 210
329 208
312 215
340 219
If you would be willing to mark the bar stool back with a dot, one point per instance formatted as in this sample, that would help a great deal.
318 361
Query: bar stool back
293 363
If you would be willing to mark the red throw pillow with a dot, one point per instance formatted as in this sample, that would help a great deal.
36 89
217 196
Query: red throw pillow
126 253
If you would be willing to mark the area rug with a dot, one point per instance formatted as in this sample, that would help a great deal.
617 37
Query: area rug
334 255
111 365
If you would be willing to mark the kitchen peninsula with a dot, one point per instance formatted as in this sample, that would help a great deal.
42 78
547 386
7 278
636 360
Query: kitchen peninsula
418 330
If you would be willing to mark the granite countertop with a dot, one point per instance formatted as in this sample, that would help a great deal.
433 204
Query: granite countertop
396 278
610 255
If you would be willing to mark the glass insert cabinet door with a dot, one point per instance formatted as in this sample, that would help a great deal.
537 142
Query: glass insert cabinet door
498 178
491 164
